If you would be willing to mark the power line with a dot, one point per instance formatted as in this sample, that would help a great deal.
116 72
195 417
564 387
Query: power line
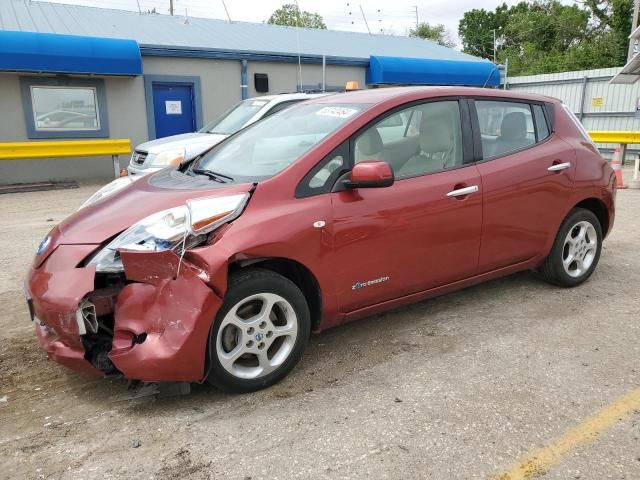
387 21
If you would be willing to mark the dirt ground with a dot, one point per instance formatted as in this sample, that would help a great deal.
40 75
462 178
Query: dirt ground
456 387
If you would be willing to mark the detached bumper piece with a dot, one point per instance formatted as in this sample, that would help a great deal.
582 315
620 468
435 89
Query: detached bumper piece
56 296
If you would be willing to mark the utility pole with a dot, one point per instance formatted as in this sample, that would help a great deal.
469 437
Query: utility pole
415 8
171 7
634 25
365 20
494 45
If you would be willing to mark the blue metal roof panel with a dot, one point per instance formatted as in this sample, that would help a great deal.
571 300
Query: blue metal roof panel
428 71
165 30
54 53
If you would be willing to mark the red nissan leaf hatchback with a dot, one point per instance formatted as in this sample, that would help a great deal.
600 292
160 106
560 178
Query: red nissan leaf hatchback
326 212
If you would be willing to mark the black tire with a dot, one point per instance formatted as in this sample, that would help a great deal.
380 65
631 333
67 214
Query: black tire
553 270
243 285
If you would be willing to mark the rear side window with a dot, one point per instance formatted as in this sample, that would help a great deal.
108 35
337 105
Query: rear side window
504 127
542 129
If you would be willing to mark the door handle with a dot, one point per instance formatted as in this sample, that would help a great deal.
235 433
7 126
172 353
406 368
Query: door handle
463 191
559 166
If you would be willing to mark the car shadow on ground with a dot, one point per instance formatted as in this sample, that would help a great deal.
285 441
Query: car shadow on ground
430 327
334 355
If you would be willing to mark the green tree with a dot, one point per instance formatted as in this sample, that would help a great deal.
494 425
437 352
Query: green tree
437 33
612 18
476 30
547 36
290 15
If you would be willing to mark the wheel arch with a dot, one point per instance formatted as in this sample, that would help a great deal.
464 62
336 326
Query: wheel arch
592 203
294 271
599 209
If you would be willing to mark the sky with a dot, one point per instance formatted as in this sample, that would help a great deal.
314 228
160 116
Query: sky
395 18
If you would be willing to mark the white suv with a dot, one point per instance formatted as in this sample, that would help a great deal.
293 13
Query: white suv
157 154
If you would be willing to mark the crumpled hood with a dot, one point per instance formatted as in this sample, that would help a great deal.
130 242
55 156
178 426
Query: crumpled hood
195 143
108 217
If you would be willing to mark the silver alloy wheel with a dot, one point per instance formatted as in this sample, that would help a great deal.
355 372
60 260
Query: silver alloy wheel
257 335
580 247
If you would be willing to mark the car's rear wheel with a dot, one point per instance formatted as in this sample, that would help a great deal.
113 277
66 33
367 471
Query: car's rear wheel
576 250
260 332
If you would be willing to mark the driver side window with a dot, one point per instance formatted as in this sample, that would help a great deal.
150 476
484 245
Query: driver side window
415 141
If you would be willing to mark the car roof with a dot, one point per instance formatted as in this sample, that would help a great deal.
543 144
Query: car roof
388 94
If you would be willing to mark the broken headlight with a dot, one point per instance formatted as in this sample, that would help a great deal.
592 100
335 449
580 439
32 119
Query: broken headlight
170 229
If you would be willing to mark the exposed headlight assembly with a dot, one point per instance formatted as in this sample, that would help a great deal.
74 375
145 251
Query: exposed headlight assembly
169 229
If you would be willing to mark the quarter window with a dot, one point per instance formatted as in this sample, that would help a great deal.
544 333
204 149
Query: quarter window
415 141
323 176
542 129
504 127
320 179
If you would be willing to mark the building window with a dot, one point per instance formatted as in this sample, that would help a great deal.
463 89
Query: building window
64 108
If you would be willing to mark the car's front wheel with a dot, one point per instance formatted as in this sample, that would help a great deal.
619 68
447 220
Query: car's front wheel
260 332
576 250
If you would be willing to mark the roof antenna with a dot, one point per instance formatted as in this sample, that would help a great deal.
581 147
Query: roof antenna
365 19
226 11
139 9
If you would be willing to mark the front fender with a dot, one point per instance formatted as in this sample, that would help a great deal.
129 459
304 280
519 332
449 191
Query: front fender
162 324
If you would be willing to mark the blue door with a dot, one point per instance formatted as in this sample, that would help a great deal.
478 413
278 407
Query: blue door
173 109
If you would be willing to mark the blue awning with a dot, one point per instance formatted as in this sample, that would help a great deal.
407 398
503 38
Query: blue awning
53 53
427 71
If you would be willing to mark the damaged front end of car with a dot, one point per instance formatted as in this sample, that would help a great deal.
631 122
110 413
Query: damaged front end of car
150 322
139 306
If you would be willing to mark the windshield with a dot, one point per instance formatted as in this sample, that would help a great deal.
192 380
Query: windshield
271 145
233 120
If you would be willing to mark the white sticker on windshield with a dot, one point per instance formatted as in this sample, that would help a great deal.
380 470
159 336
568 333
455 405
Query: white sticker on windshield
340 112
258 104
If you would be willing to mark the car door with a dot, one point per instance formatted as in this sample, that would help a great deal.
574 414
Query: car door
527 180
424 230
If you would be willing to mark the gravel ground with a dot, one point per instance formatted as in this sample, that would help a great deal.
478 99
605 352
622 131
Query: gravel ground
456 387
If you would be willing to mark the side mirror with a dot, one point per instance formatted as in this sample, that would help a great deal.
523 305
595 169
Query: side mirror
370 174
